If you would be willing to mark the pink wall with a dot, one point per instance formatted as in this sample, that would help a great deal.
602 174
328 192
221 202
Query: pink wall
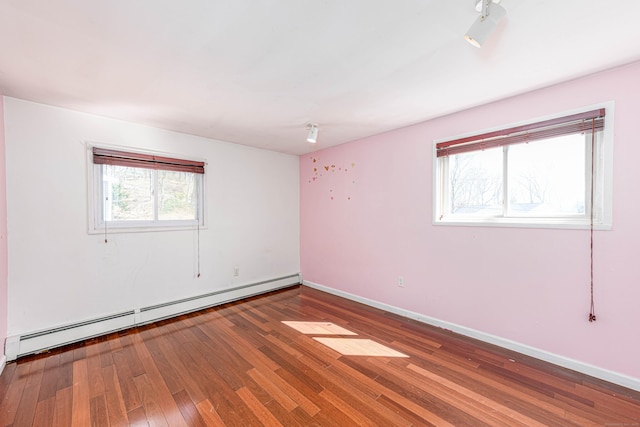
366 219
3 233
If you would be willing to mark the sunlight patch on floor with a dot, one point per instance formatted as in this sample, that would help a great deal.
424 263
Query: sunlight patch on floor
318 328
359 347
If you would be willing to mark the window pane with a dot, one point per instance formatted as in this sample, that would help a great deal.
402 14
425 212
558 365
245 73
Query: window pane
475 183
547 178
177 195
127 193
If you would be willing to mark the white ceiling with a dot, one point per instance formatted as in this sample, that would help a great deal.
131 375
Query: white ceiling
254 72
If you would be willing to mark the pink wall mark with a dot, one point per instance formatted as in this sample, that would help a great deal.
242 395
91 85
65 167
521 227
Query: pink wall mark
530 286
330 178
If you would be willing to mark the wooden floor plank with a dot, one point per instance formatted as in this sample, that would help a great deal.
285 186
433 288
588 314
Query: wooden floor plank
359 418
188 410
65 369
358 395
50 375
431 408
262 413
99 416
150 402
250 353
237 364
94 370
527 401
128 389
279 395
157 384
45 412
64 407
11 399
209 414
81 406
29 400
181 363
138 417
113 395
464 398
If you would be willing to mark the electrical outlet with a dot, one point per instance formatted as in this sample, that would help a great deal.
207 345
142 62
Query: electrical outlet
236 271
400 282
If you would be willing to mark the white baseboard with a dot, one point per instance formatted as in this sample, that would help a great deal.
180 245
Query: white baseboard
38 341
3 362
585 368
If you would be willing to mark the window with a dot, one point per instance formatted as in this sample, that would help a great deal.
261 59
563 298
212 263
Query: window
555 172
142 190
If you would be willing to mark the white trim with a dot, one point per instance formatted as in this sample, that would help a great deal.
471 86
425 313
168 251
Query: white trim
585 368
11 348
583 224
3 363
96 226
39 341
604 189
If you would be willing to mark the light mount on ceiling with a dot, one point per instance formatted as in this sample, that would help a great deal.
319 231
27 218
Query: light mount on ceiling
491 14
312 137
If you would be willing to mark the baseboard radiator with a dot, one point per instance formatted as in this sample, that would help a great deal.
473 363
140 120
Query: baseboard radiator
40 341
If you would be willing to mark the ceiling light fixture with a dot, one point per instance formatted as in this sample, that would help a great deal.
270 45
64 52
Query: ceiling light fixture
491 14
480 4
313 132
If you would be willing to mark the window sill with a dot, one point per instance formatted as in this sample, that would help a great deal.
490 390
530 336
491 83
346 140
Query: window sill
144 229
553 223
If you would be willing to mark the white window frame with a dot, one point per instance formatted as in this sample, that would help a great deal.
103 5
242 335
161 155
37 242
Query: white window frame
603 175
95 197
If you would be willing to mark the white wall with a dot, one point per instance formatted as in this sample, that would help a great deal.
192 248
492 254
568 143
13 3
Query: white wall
59 274
3 237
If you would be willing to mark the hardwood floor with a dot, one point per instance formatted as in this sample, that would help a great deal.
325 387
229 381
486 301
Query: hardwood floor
239 365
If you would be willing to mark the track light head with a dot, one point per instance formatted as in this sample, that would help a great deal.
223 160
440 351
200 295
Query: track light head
486 23
480 4
312 137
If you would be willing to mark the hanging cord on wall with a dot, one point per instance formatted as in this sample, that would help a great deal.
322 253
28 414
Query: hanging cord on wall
592 309
198 248
105 223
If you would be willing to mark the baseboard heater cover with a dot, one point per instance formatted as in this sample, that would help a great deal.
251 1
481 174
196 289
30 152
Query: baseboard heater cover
37 342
